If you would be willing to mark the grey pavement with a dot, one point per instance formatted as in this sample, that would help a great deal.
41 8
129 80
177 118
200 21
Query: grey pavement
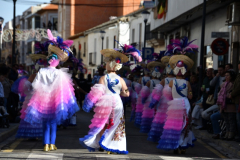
69 147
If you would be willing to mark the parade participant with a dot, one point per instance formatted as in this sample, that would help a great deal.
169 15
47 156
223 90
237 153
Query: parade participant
177 134
23 87
148 113
108 125
101 69
160 96
53 99
142 96
144 80
136 88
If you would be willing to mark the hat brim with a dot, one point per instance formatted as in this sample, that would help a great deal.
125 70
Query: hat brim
35 57
153 64
165 59
186 60
115 54
62 55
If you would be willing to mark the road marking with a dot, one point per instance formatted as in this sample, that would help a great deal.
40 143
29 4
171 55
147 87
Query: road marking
211 149
112 156
13 146
47 156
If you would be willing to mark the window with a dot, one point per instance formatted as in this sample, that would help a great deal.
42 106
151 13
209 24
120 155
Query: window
140 36
114 42
84 49
133 35
90 58
177 35
170 39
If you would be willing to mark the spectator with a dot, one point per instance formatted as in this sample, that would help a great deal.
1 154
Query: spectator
227 108
13 75
235 95
2 108
217 81
205 89
82 83
196 114
89 83
228 67
206 86
6 83
194 86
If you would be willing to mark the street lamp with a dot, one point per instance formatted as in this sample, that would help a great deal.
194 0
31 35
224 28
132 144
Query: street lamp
102 36
1 28
14 33
145 16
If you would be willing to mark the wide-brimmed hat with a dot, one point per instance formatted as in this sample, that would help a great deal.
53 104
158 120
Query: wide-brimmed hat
165 59
114 54
153 64
35 57
186 60
62 55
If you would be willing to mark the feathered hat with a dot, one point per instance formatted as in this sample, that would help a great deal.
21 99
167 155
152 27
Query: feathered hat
59 47
117 57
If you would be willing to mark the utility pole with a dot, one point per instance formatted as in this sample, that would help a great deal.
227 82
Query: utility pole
14 33
202 44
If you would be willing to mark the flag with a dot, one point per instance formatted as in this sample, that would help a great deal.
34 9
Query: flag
162 8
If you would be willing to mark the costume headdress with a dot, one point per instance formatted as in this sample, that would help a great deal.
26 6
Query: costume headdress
156 68
59 47
181 63
182 46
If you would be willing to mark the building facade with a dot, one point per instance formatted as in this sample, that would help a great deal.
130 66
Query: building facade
76 16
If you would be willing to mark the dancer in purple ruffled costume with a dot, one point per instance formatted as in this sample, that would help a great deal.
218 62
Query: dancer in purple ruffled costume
160 96
148 113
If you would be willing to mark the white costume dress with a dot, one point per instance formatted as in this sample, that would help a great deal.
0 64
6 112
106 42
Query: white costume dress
109 105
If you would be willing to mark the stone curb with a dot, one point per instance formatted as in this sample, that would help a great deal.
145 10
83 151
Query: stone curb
9 132
231 147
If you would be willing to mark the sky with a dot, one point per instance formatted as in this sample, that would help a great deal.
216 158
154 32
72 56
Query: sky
6 7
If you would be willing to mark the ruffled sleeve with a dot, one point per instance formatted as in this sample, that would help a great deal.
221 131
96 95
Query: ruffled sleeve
97 91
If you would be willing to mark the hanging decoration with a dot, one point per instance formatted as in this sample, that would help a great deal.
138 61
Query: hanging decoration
24 35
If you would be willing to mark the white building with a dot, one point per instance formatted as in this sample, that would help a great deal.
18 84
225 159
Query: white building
184 18
91 42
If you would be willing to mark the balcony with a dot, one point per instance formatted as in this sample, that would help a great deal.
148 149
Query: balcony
155 39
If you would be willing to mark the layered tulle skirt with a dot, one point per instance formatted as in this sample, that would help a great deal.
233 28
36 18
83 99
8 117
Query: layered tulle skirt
161 115
52 101
114 138
176 134
25 129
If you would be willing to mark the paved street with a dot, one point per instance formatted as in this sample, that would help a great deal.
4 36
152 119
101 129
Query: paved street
69 147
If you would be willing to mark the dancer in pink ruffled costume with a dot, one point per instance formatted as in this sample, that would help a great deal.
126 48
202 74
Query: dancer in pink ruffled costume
53 99
177 132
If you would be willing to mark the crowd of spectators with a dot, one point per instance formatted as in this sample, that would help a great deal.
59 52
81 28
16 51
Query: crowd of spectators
217 108
9 101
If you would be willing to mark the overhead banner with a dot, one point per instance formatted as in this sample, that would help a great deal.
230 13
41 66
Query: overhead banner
24 35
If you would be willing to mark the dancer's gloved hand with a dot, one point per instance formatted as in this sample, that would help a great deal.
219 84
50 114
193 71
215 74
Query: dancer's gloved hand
110 123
